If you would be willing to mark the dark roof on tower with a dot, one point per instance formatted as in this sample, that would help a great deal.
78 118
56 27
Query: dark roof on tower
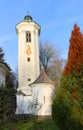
28 18
43 78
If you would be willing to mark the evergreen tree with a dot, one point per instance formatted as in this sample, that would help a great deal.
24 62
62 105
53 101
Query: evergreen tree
67 109
7 92
4 103
75 54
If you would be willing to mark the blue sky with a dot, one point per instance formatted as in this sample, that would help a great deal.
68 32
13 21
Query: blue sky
56 17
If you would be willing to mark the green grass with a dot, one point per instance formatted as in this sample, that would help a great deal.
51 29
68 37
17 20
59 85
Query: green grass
29 125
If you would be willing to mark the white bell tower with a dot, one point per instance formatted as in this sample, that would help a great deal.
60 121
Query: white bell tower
32 85
28 51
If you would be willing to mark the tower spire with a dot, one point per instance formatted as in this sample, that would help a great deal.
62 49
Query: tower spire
27 12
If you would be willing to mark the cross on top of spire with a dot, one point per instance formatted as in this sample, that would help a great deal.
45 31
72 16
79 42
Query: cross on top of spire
27 12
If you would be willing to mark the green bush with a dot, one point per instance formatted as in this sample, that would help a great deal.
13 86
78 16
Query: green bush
7 101
67 108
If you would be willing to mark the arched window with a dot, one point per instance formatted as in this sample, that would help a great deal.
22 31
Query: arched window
28 36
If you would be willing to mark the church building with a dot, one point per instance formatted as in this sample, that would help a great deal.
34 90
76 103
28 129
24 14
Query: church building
35 89
3 72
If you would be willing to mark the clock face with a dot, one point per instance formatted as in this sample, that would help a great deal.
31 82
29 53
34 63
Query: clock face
28 50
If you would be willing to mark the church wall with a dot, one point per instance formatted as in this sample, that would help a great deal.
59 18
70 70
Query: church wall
22 104
32 67
41 95
2 76
2 79
43 92
19 109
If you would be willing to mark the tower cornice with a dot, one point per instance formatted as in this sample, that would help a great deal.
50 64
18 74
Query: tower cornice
27 23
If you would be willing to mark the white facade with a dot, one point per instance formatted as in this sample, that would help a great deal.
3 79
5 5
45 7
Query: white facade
41 96
33 95
3 72
2 78
43 92
28 71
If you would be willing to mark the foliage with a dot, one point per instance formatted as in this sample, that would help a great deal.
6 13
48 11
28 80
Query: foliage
4 103
7 92
68 104
75 54
67 109
29 125
10 80
7 102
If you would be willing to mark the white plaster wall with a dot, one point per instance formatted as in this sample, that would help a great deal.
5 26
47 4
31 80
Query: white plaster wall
22 104
44 93
26 69
2 80
2 77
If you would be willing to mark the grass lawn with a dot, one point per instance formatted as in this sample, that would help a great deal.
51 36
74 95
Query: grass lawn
29 125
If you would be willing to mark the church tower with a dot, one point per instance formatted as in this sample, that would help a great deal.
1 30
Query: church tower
28 51
34 87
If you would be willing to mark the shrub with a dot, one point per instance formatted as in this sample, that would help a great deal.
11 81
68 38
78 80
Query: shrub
67 108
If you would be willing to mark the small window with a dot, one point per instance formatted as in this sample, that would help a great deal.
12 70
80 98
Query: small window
28 36
29 79
28 59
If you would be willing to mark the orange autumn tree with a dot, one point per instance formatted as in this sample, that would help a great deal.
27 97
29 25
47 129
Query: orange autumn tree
75 55
67 107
